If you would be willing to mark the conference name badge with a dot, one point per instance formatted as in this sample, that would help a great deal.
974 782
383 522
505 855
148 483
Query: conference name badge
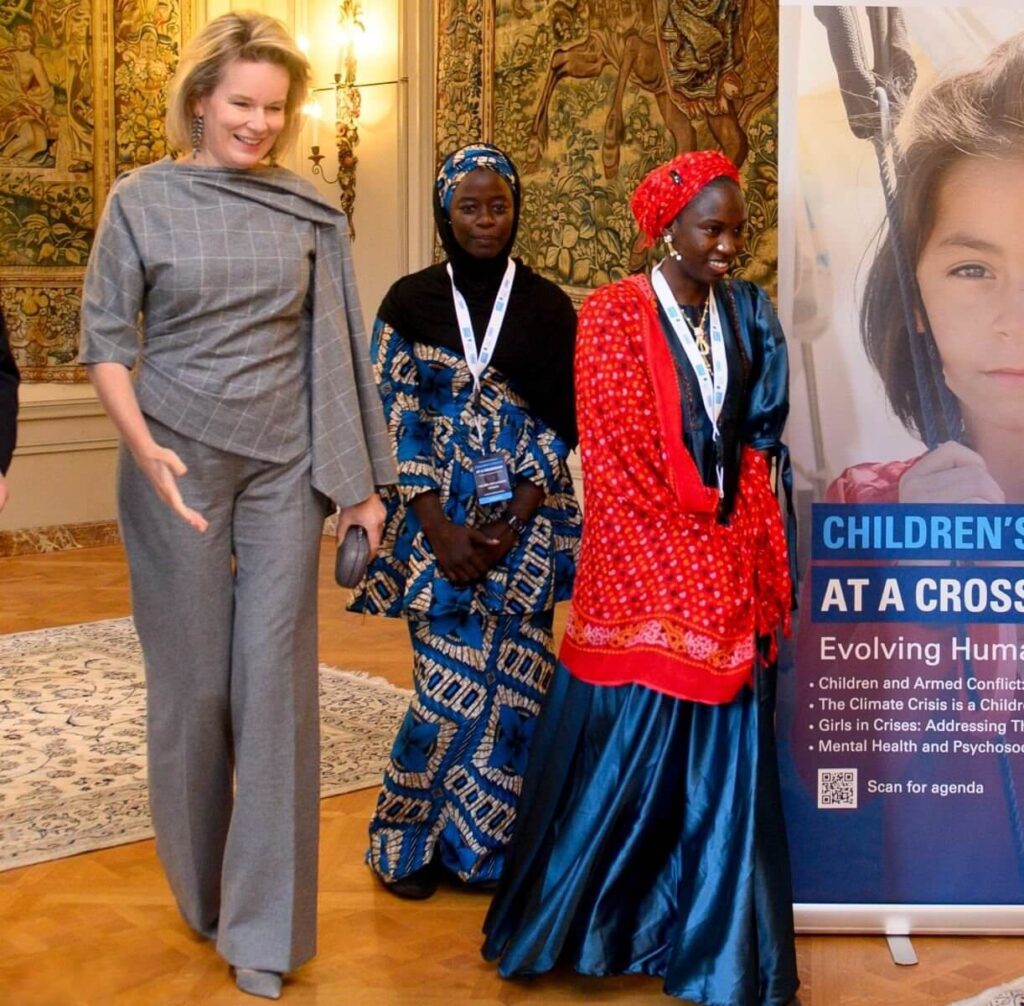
492 480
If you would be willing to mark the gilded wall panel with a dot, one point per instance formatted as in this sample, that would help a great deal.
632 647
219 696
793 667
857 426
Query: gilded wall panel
81 99
460 34
42 320
589 96
146 45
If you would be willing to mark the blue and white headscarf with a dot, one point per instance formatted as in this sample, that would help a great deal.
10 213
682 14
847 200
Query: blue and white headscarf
467 159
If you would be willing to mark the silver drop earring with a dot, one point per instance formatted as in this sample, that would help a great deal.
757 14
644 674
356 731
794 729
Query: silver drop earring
670 248
197 135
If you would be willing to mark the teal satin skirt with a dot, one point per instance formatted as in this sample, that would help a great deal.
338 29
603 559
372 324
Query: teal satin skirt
650 840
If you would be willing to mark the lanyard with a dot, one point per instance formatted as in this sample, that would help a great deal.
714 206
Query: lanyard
712 388
477 361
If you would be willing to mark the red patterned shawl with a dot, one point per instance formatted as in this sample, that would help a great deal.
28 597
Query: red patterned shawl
665 595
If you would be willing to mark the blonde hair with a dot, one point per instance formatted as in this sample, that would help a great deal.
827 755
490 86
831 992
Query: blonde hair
245 35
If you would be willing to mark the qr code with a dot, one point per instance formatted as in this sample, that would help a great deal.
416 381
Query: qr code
837 789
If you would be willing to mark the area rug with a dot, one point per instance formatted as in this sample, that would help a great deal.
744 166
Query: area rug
1010 994
72 739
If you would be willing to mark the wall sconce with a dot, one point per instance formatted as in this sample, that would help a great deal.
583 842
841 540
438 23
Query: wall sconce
346 135
346 110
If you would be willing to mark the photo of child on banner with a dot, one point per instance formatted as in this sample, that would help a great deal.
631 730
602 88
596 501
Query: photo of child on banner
904 713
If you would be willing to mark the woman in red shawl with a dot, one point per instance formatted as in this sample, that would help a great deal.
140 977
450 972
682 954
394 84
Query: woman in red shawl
650 838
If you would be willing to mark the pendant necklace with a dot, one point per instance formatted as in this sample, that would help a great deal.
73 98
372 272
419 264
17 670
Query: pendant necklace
712 374
700 332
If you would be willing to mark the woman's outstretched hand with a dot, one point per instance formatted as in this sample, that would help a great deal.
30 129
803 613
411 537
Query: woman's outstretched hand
163 468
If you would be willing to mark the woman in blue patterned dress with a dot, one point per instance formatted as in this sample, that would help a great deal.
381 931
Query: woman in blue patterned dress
473 359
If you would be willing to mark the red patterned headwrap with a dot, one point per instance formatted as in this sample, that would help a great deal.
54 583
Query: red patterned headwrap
663 193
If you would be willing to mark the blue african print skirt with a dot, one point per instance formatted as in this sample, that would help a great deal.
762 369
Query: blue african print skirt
456 768
651 841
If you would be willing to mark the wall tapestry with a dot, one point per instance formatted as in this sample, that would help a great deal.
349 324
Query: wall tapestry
81 99
589 95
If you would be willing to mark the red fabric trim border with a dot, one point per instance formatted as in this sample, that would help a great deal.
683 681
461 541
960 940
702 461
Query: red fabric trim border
653 669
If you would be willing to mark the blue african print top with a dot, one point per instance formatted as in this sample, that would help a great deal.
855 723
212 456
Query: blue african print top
427 392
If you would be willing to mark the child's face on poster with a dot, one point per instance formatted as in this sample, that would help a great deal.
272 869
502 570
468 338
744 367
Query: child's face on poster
971 274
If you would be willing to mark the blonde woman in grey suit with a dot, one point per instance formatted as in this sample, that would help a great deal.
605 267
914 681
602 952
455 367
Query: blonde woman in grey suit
252 407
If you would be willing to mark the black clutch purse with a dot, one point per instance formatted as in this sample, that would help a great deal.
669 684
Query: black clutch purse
353 556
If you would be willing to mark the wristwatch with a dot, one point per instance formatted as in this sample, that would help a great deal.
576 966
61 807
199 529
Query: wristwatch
516 523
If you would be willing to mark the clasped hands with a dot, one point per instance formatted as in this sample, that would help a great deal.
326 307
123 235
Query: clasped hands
466 554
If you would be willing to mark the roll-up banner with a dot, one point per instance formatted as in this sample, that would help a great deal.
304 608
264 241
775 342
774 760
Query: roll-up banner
901 693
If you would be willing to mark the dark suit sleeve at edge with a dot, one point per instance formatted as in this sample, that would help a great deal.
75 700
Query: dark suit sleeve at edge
9 379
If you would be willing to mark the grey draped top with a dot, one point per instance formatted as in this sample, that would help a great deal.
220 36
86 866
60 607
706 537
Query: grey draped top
252 337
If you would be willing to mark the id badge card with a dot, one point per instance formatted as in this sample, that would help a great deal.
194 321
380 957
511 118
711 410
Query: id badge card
493 484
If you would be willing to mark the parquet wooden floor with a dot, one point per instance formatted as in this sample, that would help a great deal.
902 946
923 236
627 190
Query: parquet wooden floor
101 929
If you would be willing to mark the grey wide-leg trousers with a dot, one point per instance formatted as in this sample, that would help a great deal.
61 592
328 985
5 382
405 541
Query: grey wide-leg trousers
227 621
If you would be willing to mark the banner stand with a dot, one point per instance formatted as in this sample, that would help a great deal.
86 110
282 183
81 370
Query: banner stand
900 711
